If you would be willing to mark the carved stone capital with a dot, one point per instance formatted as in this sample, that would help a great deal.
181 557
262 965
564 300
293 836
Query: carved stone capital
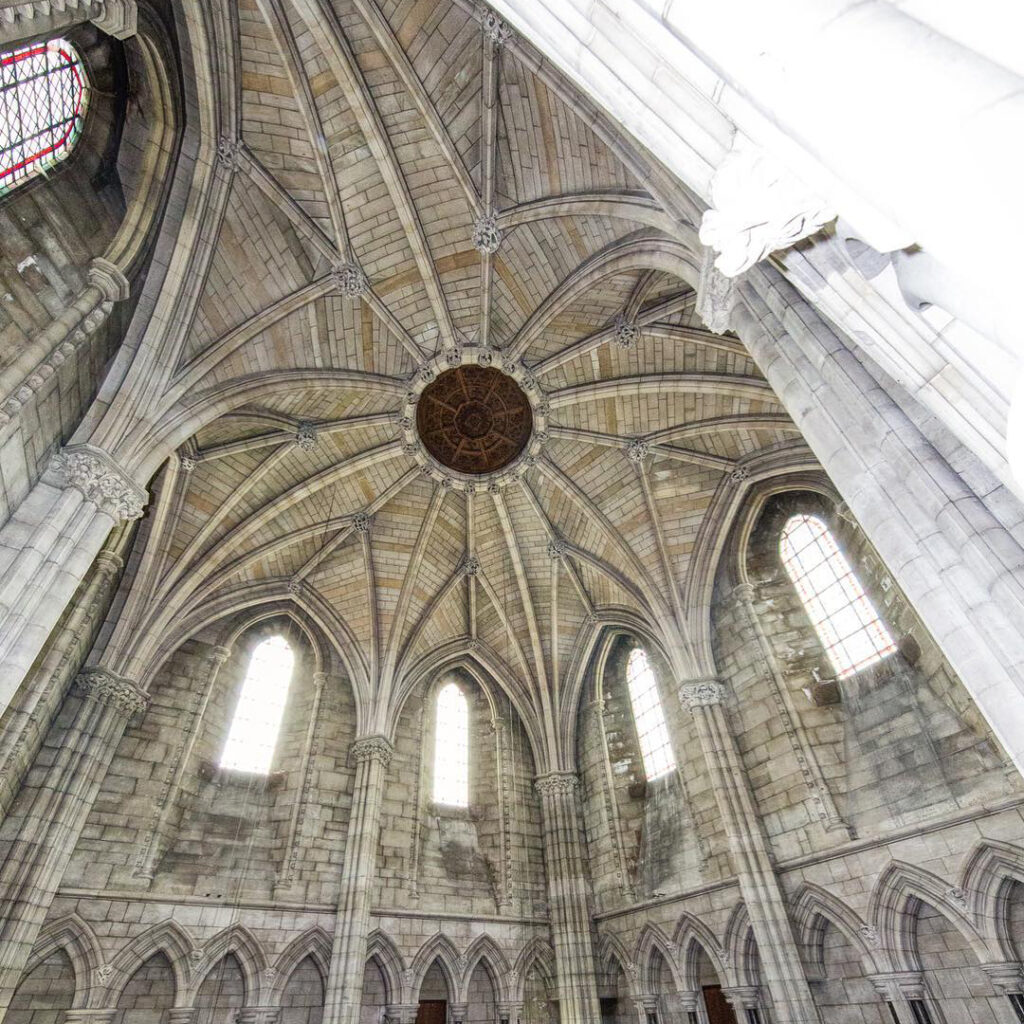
759 206
108 564
742 997
220 654
100 479
701 694
1006 977
108 278
894 985
372 748
106 687
560 783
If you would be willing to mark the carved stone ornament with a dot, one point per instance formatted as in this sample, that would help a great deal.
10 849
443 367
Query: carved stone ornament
349 279
638 450
1007 977
471 566
627 332
870 936
739 474
703 694
119 19
557 548
496 30
100 479
361 522
105 687
187 463
372 748
228 153
305 437
716 295
557 783
758 207
295 586
487 235
104 973
958 896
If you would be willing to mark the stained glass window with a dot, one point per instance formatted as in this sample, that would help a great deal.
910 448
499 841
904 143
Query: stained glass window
451 748
43 98
257 721
844 618
651 730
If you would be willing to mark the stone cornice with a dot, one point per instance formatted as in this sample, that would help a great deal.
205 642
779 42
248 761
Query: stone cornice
372 748
118 18
701 693
106 687
100 479
557 782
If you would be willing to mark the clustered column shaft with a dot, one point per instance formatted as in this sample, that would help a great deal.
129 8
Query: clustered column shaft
568 891
42 830
372 755
781 967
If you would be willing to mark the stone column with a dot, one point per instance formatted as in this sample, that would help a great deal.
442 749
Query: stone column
568 897
372 755
26 19
48 545
40 833
781 967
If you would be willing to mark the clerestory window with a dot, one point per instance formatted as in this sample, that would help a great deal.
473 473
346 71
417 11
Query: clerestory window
257 720
44 93
451 748
651 729
843 616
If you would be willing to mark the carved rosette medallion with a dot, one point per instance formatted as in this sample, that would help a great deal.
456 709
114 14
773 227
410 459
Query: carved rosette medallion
106 687
372 748
702 694
557 783
473 427
100 480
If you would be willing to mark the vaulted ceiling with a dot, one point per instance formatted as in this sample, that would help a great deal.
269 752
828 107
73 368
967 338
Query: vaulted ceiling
374 138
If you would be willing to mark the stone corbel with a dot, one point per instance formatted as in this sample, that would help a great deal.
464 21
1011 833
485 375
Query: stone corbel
33 18
758 206
100 479
120 18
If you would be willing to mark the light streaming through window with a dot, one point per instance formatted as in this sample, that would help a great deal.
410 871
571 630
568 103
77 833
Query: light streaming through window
451 748
845 620
43 97
257 721
651 730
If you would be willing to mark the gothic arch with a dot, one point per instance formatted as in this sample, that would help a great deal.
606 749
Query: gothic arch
652 939
737 942
692 935
315 945
892 910
437 948
168 938
610 950
74 936
384 952
814 910
236 939
987 872
483 949
536 953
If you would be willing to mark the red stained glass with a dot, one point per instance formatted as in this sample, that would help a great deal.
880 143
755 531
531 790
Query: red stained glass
43 97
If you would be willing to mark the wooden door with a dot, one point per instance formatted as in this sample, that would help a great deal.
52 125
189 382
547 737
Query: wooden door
432 1011
719 1011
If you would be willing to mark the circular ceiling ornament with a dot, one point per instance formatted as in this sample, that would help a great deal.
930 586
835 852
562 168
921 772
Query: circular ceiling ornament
472 424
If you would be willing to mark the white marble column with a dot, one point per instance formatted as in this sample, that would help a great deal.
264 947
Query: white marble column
371 755
781 967
39 835
568 896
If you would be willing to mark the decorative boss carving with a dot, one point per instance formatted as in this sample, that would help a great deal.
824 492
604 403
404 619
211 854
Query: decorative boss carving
627 332
758 207
487 234
638 450
228 153
105 687
101 480
361 522
496 30
703 694
305 437
349 279
471 566
557 548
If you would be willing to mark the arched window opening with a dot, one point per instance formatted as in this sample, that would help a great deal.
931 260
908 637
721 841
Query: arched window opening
451 748
44 93
651 730
844 618
257 721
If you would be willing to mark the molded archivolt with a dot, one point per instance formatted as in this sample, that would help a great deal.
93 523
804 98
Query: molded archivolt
167 938
537 954
76 938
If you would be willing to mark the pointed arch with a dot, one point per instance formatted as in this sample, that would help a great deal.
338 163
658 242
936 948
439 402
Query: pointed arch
236 939
536 953
692 935
988 870
483 949
736 944
814 910
892 909
382 949
315 945
650 940
440 948
610 950
72 935
168 938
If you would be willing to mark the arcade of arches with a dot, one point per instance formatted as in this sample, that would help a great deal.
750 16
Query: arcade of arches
441 581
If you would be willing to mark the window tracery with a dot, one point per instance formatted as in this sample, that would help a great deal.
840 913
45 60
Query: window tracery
649 716
44 94
257 719
451 747
843 616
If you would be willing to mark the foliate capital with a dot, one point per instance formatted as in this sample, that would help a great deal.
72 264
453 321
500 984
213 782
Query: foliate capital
559 783
496 30
701 694
106 687
372 748
100 479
